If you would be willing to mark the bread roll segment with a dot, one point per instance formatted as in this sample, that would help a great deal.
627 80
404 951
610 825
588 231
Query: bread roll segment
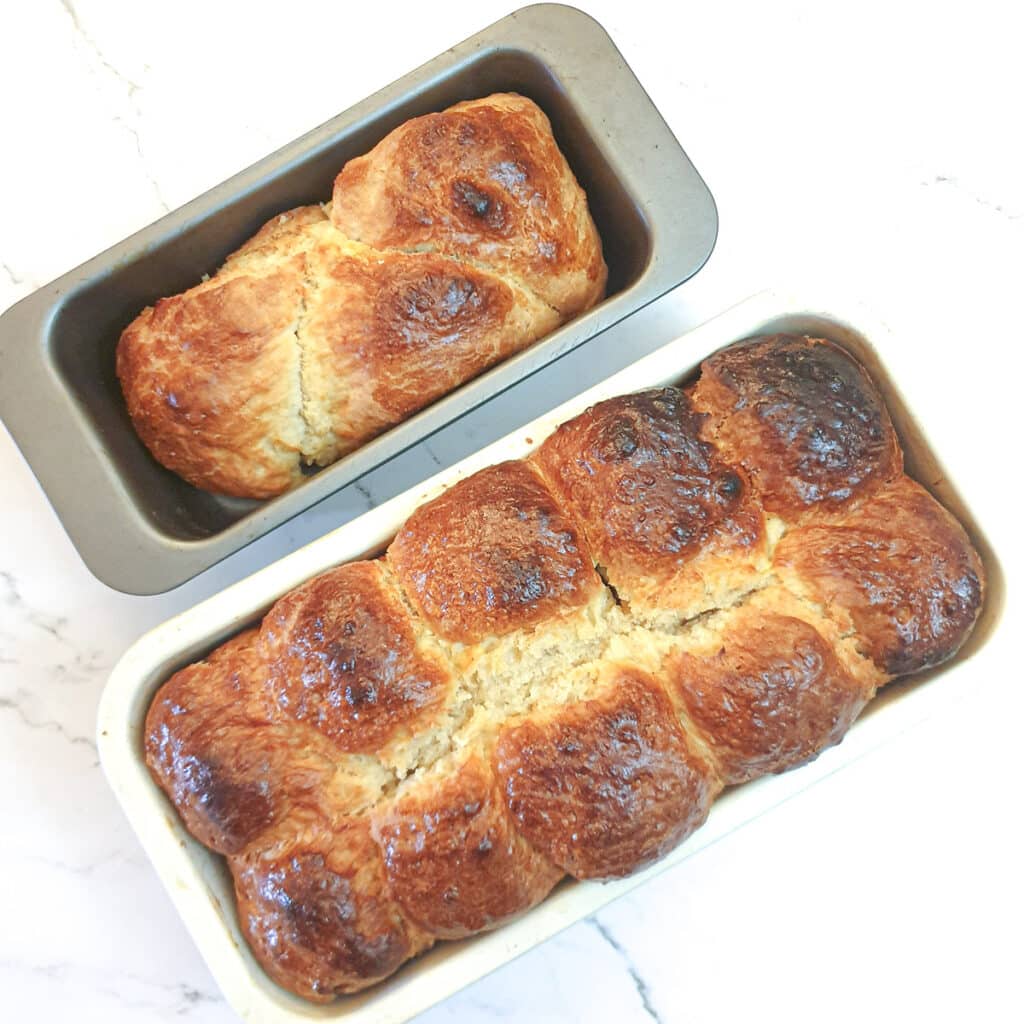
609 784
898 570
483 181
509 557
803 418
454 857
342 654
560 662
212 379
673 527
768 694
460 239
317 911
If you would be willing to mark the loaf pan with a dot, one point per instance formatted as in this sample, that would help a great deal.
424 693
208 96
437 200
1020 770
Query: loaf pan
199 882
141 528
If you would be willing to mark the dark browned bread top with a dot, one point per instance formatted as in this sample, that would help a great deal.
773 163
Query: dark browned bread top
802 417
483 181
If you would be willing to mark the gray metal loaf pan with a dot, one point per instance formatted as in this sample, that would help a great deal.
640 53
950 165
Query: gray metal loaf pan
142 529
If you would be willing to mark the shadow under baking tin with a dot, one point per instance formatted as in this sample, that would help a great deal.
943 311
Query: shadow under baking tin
143 529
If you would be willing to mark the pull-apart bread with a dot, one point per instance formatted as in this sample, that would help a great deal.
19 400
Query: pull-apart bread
458 240
560 661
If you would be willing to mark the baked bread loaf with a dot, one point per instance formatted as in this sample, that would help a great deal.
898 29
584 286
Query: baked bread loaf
560 661
458 240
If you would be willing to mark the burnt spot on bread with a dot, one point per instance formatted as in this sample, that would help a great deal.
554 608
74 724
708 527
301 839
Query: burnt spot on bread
478 203
342 657
771 697
729 486
900 567
318 908
649 490
474 201
430 300
607 785
429 320
802 417
492 554
622 439
453 857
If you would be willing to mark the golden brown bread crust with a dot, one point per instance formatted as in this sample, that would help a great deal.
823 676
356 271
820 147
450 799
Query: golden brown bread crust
199 736
211 379
321 332
317 913
492 554
384 334
453 857
341 655
485 181
609 785
417 747
770 697
902 570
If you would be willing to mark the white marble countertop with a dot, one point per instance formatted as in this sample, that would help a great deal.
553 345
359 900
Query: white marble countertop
870 147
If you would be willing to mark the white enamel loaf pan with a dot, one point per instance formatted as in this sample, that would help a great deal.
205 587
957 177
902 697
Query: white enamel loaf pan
198 881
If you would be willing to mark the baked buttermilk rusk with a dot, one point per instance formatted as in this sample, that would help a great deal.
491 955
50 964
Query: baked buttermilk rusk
560 661
460 239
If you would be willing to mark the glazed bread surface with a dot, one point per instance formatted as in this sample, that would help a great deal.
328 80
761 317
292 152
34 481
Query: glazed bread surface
560 662
460 239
